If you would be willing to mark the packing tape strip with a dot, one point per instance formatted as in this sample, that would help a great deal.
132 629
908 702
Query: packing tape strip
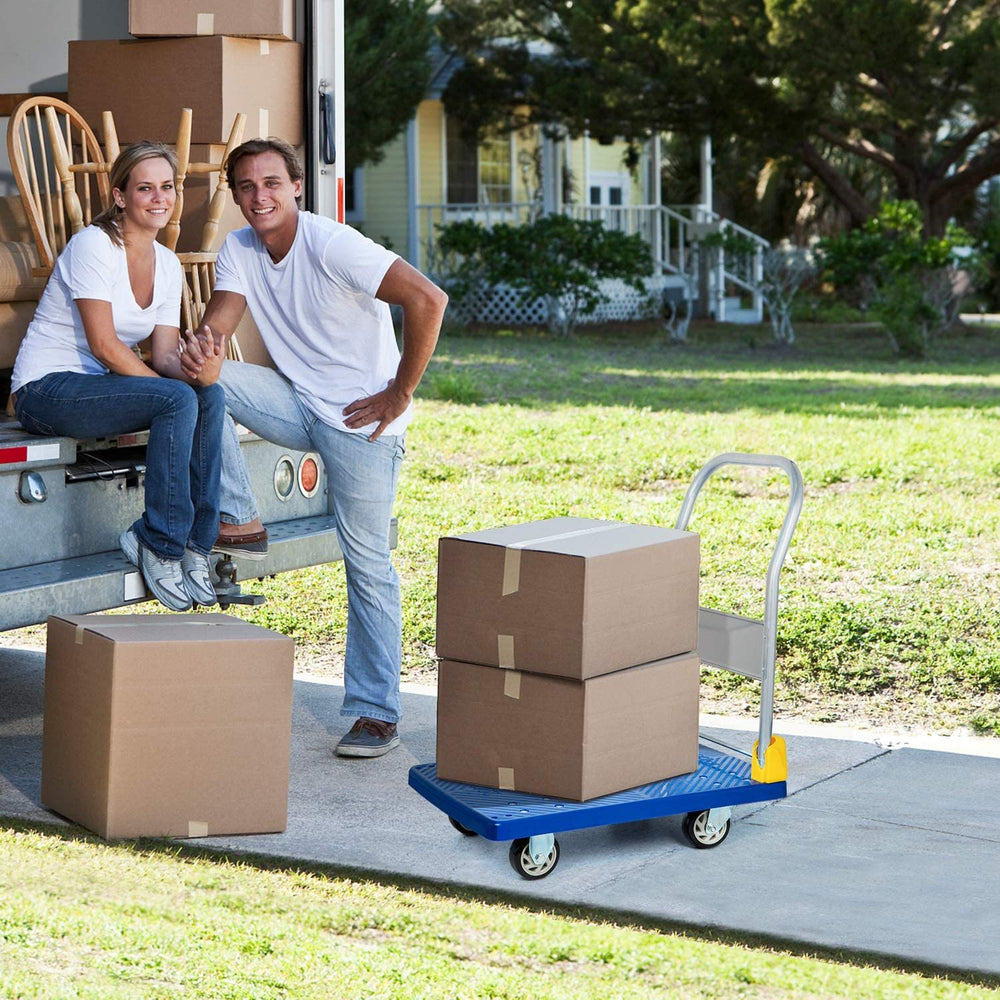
196 829
512 684
505 652
505 779
263 123
205 24
265 47
512 554
78 634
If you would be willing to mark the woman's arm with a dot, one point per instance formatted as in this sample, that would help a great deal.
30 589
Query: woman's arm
167 358
99 326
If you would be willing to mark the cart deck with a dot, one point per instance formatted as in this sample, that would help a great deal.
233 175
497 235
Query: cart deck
720 780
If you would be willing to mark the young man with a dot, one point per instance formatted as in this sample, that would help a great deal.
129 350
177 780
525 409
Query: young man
319 293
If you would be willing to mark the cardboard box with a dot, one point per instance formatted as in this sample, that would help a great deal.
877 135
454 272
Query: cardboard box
145 83
256 18
167 725
565 738
567 596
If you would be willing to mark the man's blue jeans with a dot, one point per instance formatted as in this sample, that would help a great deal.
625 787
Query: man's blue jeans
361 477
182 457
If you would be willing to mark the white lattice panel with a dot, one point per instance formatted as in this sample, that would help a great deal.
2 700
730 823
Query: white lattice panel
504 305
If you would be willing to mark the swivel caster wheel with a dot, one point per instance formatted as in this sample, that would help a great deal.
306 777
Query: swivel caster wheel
526 866
463 830
706 831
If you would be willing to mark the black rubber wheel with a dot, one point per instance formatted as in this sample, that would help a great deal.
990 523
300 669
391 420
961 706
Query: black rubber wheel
521 861
696 830
464 830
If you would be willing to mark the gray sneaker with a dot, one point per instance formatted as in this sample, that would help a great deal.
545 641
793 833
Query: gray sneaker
368 738
197 572
163 577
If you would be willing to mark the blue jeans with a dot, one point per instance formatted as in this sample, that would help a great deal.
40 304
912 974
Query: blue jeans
362 477
183 456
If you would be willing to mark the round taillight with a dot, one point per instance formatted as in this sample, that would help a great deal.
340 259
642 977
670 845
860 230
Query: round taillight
308 475
284 478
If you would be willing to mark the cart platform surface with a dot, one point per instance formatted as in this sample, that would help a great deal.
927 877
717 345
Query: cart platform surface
721 779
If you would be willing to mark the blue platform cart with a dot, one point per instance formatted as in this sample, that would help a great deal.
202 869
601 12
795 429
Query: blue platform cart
726 776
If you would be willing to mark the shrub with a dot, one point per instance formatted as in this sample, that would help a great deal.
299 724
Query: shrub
555 259
906 280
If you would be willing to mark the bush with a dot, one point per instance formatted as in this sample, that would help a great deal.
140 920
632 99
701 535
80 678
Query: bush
904 279
555 259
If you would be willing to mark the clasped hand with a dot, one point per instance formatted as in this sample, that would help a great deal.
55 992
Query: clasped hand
201 353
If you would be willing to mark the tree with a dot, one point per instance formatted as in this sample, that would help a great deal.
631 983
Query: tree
906 85
387 68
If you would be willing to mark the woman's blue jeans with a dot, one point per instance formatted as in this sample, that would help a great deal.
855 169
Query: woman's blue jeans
183 456
361 478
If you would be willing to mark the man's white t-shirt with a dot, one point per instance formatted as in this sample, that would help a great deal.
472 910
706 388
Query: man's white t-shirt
93 267
317 313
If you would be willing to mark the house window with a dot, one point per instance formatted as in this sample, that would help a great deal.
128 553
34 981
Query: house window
608 189
477 175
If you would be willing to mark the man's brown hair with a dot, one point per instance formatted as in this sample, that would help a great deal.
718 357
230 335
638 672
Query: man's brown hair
254 147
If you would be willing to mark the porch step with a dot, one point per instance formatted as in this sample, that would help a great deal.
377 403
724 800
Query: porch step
741 316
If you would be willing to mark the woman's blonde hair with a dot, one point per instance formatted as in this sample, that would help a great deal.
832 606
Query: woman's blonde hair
121 170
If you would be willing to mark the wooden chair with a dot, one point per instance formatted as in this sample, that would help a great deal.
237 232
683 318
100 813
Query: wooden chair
60 172
199 280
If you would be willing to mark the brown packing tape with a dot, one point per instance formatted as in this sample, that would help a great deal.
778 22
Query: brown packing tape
505 652
197 829
205 24
512 684
505 778
512 554
511 571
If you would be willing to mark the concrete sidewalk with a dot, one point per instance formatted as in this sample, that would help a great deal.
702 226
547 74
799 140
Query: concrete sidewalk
888 849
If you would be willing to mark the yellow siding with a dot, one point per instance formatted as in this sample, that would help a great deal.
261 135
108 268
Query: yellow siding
386 217
430 127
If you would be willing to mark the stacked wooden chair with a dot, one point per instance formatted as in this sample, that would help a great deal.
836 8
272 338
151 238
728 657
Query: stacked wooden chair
62 175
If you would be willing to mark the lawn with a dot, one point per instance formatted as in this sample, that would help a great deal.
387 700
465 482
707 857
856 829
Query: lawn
88 920
890 593
889 617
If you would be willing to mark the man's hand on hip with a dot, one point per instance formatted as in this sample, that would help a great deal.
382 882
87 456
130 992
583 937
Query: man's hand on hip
381 408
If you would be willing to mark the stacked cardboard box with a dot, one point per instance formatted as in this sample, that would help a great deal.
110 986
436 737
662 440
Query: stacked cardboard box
167 725
567 656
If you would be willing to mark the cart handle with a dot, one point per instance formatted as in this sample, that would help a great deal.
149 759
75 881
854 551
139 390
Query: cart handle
773 570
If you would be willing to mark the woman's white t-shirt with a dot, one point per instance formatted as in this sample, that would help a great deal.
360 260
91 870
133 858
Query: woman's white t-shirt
317 313
93 267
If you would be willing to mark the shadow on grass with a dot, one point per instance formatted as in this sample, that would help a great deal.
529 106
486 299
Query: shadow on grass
828 371
496 897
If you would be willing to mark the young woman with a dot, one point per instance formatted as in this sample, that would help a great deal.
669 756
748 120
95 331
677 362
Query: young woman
77 374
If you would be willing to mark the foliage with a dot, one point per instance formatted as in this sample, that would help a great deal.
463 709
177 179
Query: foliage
386 68
987 234
903 277
556 259
907 87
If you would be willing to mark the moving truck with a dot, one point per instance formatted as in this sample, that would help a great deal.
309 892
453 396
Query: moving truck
63 501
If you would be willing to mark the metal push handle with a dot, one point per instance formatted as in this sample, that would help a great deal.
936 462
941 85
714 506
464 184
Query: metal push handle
795 495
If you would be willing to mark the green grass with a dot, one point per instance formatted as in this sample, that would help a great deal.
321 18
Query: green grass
892 585
84 919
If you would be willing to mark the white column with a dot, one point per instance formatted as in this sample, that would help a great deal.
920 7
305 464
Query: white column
706 174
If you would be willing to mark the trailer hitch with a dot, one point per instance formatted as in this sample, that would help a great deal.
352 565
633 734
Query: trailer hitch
227 590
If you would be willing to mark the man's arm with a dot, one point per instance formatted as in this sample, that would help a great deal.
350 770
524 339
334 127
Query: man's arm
223 315
423 306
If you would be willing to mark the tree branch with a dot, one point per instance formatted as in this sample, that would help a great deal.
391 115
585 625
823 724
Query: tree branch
968 177
868 150
955 152
838 185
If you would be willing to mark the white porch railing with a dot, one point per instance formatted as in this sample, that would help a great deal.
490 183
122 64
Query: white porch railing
674 234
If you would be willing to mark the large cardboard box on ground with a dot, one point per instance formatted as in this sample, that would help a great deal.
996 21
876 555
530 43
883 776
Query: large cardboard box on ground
567 596
565 738
167 725
146 82
256 18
